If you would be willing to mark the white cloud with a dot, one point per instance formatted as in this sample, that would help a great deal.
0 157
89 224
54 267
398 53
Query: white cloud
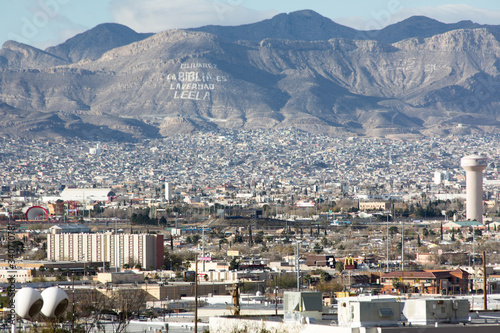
60 35
450 13
158 15
453 13
40 25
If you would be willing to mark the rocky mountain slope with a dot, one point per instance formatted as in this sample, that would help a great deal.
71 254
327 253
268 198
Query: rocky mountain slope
417 77
93 43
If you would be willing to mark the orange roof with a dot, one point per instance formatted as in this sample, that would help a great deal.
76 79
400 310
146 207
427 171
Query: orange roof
415 274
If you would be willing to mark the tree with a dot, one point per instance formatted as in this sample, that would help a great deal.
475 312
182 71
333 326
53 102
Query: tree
18 246
339 266
307 279
317 248
329 287
195 239
234 265
259 237
325 276
92 305
238 238
221 241
163 221
250 240
396 283
286 281
393 230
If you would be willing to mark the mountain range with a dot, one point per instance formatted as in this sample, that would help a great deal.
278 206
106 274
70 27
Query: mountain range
418 77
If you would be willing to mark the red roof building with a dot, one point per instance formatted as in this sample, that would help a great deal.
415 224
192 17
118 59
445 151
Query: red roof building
426 282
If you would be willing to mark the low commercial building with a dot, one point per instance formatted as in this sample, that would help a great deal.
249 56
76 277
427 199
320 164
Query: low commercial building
20 275
120 277
320 260
375 205
427 282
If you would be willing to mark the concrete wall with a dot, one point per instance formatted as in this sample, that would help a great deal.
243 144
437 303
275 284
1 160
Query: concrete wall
175 291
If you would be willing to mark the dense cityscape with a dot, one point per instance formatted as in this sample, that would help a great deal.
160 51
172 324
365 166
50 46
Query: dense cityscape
257 162
230 166
360 215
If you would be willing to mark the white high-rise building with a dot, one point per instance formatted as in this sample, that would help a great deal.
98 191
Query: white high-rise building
95 151
438 177
168 192
474 166
117 249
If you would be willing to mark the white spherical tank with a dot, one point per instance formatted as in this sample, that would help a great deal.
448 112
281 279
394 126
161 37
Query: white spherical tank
474 166
28 302
55 302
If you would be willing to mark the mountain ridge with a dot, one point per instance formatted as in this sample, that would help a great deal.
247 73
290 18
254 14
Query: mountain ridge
91 44
180 81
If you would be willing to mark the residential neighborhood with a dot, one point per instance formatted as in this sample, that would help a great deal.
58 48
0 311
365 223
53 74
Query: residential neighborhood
357 217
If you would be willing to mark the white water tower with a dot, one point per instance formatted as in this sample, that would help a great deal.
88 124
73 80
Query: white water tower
474 166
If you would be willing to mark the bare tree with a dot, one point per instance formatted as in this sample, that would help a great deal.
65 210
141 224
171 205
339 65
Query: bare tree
92 306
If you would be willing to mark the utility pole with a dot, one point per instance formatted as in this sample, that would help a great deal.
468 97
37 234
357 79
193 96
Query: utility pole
276 295
298 267
387 245
203 246
473 244
196 294
402 245
73 303
485 293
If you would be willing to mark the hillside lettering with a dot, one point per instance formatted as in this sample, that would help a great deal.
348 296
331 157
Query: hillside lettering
195 81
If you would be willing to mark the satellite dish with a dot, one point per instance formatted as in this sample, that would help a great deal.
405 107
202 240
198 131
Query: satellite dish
28 303
55 302
37 213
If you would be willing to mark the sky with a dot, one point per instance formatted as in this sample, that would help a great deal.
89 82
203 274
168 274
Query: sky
43 23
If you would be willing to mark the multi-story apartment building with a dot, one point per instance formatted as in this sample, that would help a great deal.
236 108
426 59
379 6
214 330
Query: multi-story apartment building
117 249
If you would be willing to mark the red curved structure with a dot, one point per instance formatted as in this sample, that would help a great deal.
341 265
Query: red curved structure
37 213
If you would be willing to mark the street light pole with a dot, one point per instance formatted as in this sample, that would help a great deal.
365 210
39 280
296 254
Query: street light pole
196 294
402 245
387 246
73 303
298 267
276 296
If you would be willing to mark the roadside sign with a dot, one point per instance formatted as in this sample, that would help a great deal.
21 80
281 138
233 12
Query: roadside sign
349 263
233 253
